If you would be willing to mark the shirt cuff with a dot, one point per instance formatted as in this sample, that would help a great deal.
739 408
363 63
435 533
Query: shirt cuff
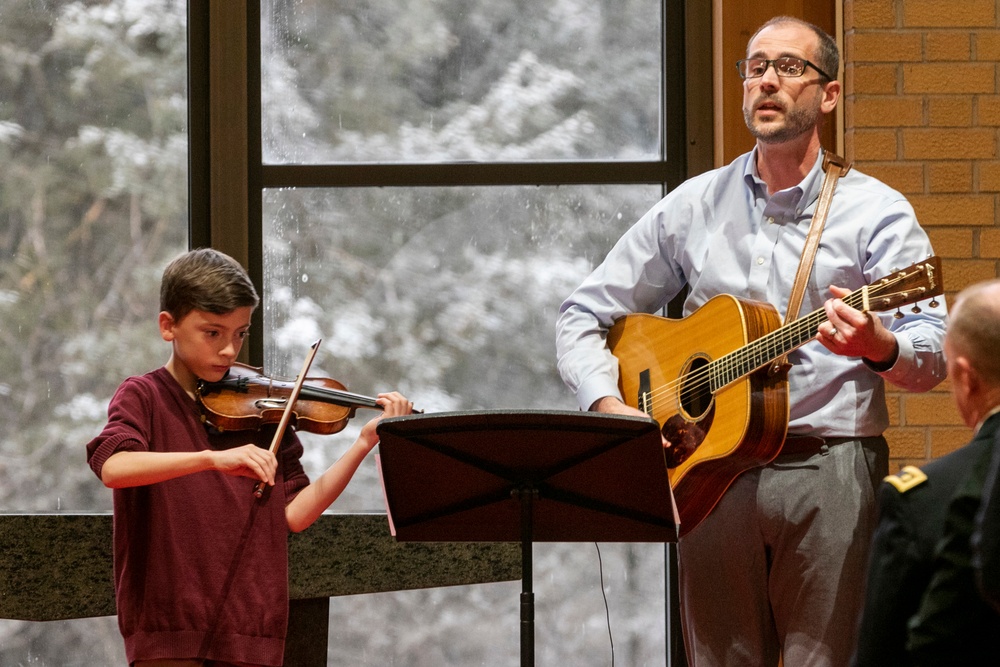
884 366
596 387
900 364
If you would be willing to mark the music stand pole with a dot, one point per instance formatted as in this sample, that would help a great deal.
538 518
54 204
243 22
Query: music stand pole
527 496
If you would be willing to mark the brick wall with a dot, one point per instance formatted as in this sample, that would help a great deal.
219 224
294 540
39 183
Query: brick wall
922 113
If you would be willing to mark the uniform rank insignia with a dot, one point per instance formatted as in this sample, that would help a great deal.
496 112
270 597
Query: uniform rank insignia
908 477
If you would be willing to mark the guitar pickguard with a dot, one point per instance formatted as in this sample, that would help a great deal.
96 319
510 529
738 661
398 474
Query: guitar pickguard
689 428
685 436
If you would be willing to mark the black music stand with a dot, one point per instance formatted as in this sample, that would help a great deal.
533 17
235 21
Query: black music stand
528 476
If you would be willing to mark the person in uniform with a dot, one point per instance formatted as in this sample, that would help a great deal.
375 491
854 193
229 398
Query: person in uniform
921 606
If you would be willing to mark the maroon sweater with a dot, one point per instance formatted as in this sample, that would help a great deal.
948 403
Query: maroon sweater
201 565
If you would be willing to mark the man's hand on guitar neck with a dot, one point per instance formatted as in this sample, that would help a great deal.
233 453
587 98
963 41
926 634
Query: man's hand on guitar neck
852 333
613 405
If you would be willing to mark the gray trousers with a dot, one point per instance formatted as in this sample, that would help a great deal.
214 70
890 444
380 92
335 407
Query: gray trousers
778 568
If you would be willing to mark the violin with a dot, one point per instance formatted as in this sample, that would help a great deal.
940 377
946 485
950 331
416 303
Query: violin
247 399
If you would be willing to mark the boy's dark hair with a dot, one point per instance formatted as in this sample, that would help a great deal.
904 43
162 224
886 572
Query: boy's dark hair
208 280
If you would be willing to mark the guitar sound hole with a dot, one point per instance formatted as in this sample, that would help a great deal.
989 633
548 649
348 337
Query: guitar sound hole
696 392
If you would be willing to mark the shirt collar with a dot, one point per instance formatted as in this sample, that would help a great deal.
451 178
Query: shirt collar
806 191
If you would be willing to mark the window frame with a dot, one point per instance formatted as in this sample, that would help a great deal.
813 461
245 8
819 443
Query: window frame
226 186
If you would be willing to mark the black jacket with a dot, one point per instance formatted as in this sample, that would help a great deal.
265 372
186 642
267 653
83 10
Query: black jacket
913 509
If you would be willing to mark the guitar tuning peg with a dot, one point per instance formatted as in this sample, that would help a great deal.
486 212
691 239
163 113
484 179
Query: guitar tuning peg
915 309
897 315
934 303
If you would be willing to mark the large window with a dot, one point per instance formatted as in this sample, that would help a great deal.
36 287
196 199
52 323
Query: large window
427 179
93 201
502 81
93 197
435 177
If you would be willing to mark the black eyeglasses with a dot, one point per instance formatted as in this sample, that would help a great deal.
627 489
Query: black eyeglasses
754 68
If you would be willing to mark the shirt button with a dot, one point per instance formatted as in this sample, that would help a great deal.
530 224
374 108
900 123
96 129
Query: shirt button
771 220
760 260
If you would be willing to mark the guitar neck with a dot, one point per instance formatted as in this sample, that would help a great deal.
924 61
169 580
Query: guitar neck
768 348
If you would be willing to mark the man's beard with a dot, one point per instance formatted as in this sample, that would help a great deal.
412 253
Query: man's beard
798 120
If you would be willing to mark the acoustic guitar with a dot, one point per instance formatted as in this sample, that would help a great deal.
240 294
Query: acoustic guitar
716 384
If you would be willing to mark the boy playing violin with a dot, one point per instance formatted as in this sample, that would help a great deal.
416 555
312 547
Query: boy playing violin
200 563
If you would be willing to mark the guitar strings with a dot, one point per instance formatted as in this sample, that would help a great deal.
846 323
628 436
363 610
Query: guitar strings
762 351
698 383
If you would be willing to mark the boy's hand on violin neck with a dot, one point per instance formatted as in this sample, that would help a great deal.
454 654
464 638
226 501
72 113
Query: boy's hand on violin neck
247 461
393 404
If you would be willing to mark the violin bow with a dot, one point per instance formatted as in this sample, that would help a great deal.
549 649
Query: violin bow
258 489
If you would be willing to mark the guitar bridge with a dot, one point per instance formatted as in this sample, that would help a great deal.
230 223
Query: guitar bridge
644 401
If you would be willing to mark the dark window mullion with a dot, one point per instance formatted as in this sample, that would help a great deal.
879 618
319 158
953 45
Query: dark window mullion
445 174
673 125
199 153
255 189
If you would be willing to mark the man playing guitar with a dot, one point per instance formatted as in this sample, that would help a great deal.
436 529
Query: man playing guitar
775 570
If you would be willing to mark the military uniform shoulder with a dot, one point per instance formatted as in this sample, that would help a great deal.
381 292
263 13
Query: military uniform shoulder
907 478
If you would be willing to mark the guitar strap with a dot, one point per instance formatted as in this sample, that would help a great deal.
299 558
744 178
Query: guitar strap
834 167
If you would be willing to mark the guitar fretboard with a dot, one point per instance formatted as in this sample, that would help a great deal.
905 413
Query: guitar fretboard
759 353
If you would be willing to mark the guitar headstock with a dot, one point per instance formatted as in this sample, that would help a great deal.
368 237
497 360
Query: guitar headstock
920 281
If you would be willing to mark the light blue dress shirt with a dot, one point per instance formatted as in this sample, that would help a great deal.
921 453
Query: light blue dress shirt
721 233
